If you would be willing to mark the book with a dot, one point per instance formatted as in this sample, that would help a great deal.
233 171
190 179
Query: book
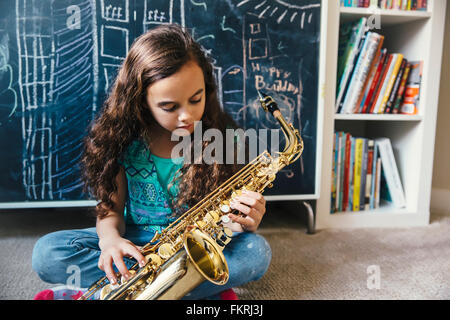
346 32
359 145
348 146
360 73
384 190
387 83
389 166
410 104
390 81
369 174
407 5
374 82
350 81
351 174
355 46
401 89
338 170
377 184
374 177
379 85
372 71
391 100
362 192
341 172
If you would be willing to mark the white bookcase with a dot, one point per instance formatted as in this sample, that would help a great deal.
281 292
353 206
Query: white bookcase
419 36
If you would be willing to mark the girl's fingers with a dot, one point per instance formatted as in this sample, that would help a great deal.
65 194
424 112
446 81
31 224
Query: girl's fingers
240 207
108 268
116 256
120 264
100 264
256 212
134 252
252 206
246 222
252 202
255 195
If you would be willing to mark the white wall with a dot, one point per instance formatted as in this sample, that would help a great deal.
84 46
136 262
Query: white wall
440 195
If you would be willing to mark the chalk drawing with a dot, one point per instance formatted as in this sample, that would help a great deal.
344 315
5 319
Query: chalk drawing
66 63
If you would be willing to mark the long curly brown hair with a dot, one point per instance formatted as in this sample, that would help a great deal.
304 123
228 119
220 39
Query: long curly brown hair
125 116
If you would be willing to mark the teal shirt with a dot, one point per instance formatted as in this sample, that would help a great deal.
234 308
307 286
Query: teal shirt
148 176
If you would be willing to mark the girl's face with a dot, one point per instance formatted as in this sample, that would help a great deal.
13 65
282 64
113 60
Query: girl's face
177 101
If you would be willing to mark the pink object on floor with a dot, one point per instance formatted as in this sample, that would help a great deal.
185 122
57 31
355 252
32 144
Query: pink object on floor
228 295
49 295
59 293
76 295
44 295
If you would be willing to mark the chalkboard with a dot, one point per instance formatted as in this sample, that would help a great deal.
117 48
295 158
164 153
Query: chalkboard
59 57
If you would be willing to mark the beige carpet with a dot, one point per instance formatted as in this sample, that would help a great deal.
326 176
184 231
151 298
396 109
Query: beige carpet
414 263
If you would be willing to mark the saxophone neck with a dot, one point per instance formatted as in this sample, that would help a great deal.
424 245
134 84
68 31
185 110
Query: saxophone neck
294 143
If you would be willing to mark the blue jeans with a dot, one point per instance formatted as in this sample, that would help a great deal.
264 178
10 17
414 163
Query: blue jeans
57 255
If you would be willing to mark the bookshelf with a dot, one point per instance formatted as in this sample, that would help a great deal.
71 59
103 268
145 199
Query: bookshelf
387 17
377 117
419 36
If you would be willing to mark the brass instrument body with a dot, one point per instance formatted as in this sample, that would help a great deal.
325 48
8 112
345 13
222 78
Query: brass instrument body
189 250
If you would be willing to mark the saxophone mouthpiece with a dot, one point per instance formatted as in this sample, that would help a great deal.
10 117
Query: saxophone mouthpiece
267 102
261 95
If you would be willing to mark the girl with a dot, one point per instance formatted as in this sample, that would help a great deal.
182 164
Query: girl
164 87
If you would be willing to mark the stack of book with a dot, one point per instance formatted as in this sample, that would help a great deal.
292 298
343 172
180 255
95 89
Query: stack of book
364 171
372 80
387 4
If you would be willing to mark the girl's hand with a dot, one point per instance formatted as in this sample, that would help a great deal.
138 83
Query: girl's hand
253 205
114 249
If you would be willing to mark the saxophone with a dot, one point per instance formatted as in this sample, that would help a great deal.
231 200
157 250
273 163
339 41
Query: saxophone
189 250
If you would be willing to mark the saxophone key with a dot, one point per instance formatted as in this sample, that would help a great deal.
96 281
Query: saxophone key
250 187
236 193
165 251
201 224
212 216
124 280
225 208
228 232
263 173
106 290
225 219
223 237
226 235
155 237
154 259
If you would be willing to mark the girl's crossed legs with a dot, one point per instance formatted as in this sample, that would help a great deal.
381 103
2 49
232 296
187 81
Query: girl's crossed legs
71 256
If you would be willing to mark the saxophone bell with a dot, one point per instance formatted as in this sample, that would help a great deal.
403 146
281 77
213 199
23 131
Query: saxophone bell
206 255
202 259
